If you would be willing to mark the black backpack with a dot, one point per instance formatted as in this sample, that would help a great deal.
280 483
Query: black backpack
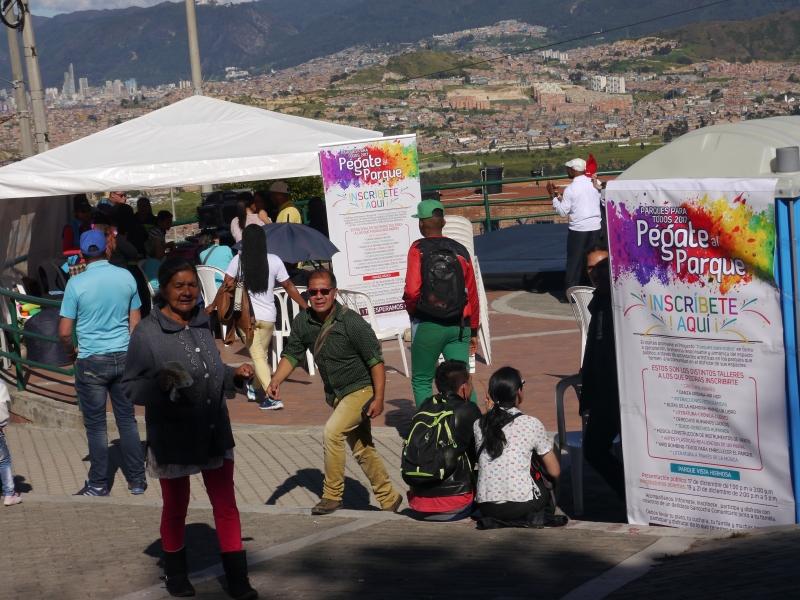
430 453
443 294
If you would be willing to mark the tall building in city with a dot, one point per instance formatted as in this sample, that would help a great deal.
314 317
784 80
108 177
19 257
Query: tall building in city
83 86
615 85
117 87
109 87
130 85
598 83
69 82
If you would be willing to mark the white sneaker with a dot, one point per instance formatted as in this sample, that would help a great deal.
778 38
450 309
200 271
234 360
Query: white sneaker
251 391
11 500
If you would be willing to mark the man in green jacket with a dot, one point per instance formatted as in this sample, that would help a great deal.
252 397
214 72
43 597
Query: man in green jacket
350 364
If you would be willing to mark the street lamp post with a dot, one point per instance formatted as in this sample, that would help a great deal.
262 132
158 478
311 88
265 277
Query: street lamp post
20 96
35 82
194 48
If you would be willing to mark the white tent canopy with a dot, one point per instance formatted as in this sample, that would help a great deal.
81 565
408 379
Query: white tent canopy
732 150
196 141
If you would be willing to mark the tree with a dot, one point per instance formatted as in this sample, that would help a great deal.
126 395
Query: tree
549 144
641 146
300 188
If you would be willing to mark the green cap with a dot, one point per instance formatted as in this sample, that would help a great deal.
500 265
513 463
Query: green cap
426 207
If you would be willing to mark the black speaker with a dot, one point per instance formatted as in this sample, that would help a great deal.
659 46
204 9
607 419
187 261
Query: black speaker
227 214
208 217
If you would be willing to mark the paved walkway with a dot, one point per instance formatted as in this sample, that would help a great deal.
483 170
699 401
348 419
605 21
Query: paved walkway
59 546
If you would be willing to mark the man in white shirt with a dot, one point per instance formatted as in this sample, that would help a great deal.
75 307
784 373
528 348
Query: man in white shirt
581 203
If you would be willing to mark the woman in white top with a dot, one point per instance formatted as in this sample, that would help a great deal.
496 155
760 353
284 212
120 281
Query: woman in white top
259 271
247 213
505 487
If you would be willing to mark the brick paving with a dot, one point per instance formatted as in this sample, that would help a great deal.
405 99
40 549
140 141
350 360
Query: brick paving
542 360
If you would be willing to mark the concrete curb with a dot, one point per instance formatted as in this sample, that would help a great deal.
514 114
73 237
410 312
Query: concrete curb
267 509
52 414
378 515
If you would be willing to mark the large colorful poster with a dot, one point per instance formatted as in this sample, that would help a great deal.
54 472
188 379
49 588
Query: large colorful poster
371 191
700 353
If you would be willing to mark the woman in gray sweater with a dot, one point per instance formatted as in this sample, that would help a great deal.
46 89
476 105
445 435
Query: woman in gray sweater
188 428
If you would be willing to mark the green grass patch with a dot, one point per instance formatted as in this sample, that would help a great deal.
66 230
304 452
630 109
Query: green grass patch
417 64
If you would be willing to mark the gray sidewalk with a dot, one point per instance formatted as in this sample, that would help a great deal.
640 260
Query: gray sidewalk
275 465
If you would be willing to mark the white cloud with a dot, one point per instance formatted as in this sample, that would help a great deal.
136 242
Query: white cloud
49 8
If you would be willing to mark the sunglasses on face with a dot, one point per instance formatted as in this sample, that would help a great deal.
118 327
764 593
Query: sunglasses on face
323 291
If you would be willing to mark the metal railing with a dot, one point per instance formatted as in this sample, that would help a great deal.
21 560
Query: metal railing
486 203
17 333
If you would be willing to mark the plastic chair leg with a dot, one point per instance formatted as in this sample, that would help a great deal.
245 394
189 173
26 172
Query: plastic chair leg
403 354
576 465
277 343
311 366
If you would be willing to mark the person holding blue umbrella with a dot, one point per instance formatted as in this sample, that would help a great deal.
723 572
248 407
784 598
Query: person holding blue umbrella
259 271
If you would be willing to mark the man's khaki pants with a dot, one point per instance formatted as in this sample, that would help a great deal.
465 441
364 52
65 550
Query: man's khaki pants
348 422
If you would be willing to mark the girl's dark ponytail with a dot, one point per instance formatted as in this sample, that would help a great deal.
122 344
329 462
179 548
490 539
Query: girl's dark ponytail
504 386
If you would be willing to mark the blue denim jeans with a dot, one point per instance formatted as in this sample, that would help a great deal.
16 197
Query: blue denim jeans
97 378
6 472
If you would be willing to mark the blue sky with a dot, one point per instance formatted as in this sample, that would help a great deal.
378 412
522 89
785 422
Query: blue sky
49 8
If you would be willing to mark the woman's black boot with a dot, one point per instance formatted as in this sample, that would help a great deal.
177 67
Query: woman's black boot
235 565
177 572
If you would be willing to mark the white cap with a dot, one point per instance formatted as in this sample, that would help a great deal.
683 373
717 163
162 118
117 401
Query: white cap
279 187
576 163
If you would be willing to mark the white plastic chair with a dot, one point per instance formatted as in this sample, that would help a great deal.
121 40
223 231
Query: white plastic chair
146 278
208 287
579 297
287 316
9 283
358 301
571 441
460 229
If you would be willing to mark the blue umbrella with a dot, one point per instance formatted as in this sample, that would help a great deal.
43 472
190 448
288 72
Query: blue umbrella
294 243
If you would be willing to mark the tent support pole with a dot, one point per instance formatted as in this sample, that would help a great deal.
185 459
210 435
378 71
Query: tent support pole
174 214
795 276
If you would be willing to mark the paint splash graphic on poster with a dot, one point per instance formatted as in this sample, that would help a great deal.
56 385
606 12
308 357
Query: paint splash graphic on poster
383 162
708 240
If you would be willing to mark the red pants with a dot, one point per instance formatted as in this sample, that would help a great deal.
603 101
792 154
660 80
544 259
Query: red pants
219 487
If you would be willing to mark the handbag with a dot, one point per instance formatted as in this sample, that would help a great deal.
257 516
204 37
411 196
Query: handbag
234 310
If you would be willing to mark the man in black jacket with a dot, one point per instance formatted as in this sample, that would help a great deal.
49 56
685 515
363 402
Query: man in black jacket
451 499
600 389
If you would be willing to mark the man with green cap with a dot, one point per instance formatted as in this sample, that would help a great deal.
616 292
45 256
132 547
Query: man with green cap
442 299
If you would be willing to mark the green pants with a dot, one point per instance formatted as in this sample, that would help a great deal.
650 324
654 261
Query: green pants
431 340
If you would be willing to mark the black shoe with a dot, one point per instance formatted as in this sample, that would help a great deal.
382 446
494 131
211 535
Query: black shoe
235 565
177 574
